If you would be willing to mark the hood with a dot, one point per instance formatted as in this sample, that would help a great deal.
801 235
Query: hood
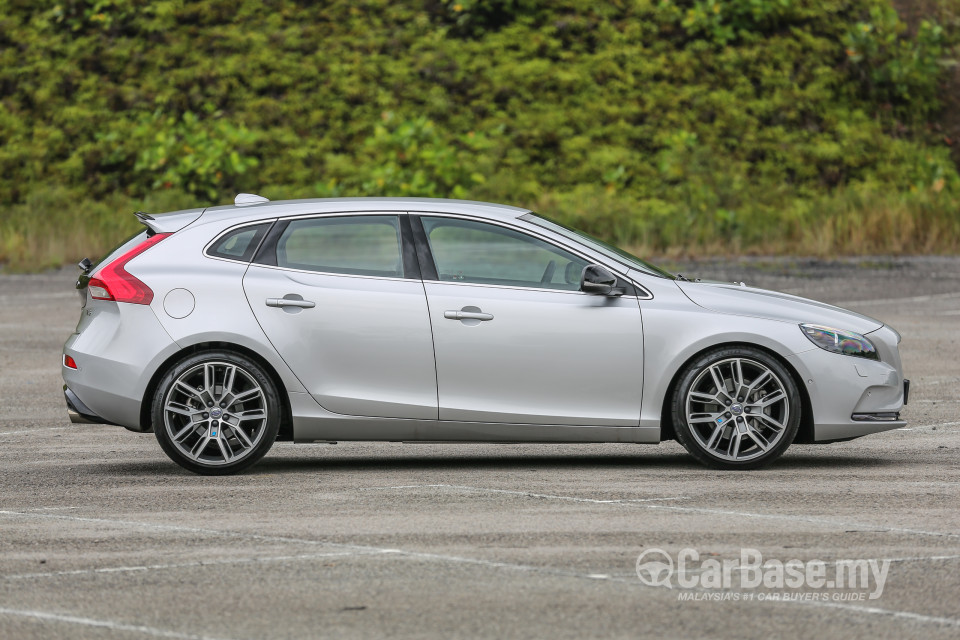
760 303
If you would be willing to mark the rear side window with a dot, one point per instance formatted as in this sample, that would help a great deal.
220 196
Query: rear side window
353 245
239 244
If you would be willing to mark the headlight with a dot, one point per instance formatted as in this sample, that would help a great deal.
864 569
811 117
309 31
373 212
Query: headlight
846 342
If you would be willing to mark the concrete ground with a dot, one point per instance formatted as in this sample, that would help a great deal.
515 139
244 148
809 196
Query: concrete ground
101 536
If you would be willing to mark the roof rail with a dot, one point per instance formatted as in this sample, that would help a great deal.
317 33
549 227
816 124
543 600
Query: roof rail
243 199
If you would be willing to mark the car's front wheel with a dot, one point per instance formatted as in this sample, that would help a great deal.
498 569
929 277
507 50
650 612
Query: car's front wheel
736 408
216 413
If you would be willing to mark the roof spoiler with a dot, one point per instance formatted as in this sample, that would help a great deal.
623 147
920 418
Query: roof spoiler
167 222
173 222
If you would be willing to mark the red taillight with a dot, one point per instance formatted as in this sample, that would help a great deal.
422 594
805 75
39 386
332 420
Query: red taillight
69 362
113 282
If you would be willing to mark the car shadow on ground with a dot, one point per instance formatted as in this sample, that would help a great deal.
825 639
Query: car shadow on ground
643 463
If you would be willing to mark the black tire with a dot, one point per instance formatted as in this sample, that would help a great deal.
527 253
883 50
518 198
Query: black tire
731 432
209 422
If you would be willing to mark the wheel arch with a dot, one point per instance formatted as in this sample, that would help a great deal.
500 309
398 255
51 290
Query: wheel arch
286 419
805 431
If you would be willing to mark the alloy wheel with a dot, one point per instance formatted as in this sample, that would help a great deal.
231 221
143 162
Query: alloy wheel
215 413
737 409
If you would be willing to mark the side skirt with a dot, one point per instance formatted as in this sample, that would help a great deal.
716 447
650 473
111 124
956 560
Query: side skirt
312 424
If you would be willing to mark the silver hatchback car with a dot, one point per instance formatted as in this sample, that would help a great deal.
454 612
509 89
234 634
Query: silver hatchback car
225 329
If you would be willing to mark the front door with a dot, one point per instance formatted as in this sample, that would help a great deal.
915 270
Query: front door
515 339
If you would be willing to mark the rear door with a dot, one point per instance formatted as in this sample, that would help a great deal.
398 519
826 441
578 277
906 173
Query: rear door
344 306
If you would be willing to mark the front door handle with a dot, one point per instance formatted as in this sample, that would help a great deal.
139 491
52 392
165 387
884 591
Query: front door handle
467 315
291 300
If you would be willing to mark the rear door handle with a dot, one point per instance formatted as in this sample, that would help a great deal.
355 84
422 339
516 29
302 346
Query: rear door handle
291 300
467 315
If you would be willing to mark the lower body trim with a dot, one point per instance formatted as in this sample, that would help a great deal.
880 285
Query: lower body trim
79 413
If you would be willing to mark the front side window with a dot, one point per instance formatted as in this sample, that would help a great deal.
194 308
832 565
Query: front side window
481 253
354 245
616 253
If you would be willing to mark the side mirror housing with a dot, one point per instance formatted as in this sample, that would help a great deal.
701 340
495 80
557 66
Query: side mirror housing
599 281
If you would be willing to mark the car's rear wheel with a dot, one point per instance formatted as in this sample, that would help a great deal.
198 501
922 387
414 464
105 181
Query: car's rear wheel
736 408
216 413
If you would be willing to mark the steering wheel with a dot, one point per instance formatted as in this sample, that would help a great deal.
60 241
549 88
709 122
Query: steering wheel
548 272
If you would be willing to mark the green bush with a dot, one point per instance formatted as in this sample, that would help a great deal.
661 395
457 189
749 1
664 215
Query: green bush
677 126
409 158
201 157
897 70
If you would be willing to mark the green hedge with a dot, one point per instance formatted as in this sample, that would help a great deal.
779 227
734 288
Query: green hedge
749 125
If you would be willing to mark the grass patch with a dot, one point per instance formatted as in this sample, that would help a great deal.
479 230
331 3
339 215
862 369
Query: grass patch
55 227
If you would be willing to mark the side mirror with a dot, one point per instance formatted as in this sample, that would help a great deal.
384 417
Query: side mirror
599 281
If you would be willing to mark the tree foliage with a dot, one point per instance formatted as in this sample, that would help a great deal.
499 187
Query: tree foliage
736 118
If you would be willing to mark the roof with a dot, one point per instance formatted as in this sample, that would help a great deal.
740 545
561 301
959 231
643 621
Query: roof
287 208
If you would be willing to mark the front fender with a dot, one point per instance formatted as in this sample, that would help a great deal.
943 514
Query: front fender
676 330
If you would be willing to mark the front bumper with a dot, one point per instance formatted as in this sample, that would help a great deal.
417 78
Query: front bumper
852 397
884 416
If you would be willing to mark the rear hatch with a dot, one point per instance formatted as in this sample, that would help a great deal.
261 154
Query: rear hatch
163 223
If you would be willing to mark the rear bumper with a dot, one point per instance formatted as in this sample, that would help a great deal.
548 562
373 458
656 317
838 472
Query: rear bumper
80 413
117 348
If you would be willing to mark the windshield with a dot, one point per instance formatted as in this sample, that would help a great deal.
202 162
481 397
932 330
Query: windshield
612 252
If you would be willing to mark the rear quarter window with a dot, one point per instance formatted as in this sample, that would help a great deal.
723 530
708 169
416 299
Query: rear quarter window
239 244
